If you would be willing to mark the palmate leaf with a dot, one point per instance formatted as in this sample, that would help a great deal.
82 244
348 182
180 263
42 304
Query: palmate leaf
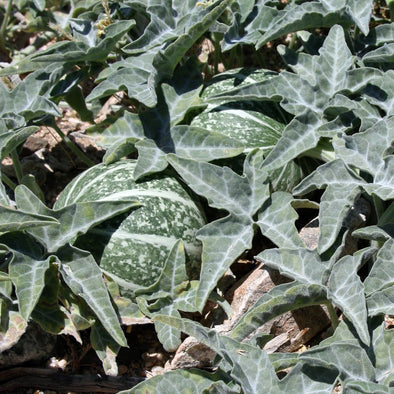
347 291
83 276
227 238
166 59
382 342
173 29
182 380
26 99
106 348
223 241
343 186
341 282
308 97
349 359
379 92
10 139
281 299
16 220
384 54
364 150
306 379
303 265
88 45
156 133
254 376
303 16
379 285
283 231
70 221
303 97
17 326
28 275
133 78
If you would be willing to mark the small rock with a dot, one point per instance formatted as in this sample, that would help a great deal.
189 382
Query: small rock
193 354
34 345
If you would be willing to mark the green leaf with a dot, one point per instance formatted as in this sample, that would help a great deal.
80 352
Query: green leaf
343 187
106 348
383 341
16 220
379 91
27 98
40 4
349 359
166 59
72 220
28 275
347 291
366 150
379 284
82 274
173 274
282 232
133 80
17 326
303 265
88 46
384 54
303 16
361 12
223 188
183 381
223 241
169 336
251 376
11 139
48 313
305 379
362 387
279 300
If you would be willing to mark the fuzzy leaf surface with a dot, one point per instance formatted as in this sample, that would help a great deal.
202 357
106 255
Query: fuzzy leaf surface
84 277
72 220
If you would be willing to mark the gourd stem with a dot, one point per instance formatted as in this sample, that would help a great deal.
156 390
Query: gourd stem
72 146
17 165
390 3
333 315
8 181
293 41
4 26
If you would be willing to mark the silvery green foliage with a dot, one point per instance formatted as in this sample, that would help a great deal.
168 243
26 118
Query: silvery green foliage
39 260
246 142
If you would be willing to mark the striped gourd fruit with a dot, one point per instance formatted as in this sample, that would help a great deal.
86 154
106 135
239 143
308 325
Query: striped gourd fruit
133 247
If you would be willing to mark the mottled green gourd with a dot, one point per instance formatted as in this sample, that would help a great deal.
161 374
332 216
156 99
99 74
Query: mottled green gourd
133 247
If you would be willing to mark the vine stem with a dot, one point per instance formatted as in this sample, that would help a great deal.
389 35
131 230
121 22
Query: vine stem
8 181
390 3
4 26
72 146
333 315
17 165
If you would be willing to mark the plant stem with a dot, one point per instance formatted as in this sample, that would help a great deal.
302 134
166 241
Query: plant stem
217 52
4 26
17 165
390 3
72 146
333 315
293 41
8 181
